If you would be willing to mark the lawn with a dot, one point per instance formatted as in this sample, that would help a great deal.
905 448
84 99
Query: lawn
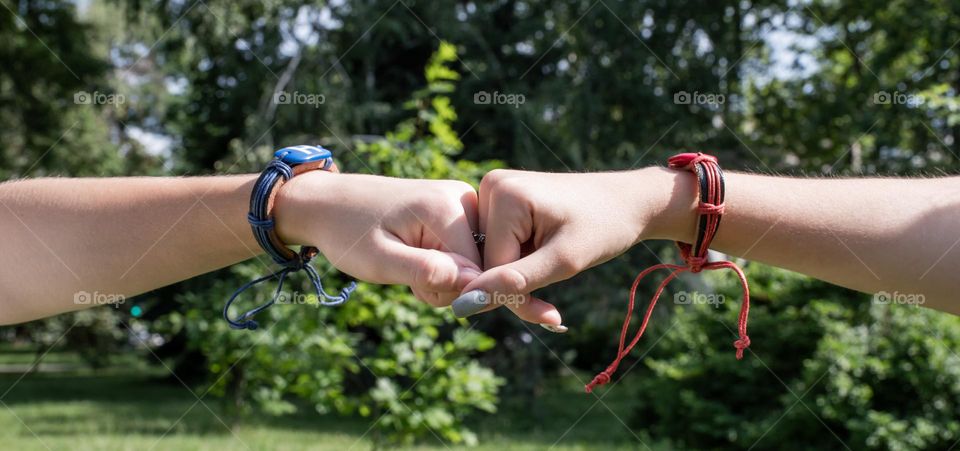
65 406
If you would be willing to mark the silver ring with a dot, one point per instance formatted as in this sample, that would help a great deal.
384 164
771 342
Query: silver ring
479 238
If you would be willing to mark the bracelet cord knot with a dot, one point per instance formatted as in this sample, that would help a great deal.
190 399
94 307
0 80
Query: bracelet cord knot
710 208
299 261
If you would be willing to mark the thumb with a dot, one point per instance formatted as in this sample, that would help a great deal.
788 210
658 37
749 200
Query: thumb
510 284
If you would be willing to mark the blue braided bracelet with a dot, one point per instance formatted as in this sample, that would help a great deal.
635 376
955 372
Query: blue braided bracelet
288 162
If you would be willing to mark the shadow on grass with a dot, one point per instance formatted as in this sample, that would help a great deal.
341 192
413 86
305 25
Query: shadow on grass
53 404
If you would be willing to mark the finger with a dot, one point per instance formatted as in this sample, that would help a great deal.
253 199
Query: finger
483 206
449 226
471 208
544 266
503 283
434 298
456 237
427 270
507 228
526 307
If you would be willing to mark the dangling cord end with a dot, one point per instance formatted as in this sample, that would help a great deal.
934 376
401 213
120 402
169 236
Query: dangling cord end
600 379
741 344
346 292
624 349
244 321
323 297
744 341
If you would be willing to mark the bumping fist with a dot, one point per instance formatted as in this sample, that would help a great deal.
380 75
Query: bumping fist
542 228
387 230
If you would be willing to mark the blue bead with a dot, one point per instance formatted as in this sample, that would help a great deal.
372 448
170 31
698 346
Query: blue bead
295 155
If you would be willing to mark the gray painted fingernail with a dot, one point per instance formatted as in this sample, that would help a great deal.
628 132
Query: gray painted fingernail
470 303
557 329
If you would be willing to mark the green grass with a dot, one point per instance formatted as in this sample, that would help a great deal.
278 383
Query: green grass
26 357
138 409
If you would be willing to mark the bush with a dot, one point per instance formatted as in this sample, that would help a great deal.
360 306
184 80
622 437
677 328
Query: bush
876 376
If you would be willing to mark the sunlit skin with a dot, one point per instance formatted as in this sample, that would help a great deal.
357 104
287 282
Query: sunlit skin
127 236
869 234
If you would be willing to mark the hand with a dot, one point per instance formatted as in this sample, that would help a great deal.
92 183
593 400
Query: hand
542 228
386 230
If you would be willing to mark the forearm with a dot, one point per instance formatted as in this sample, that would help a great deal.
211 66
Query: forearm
866 234
116 236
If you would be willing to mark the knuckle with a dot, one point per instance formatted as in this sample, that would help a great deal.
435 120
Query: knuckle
514 281
436 206
460 187
432 276
444 201
420 206
446 209
424 272
509 189
493 179
567 263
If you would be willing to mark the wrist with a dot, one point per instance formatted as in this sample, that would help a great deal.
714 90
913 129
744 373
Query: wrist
664 204
296 209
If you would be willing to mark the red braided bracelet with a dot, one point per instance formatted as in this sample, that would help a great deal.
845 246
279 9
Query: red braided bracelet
710 188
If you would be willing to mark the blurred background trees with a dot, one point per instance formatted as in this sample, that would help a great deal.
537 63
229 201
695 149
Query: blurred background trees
807 88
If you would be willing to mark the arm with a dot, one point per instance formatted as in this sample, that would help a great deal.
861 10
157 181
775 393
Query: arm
125 236
867 234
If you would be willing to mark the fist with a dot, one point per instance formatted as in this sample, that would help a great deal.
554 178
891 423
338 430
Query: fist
387 230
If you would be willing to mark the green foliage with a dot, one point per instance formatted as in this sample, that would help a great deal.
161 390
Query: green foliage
891 380
383 354
824 367
423 145
51 59
876 97
599 80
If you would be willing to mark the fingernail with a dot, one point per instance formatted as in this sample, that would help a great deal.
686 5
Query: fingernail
469 303
555 328
470 272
